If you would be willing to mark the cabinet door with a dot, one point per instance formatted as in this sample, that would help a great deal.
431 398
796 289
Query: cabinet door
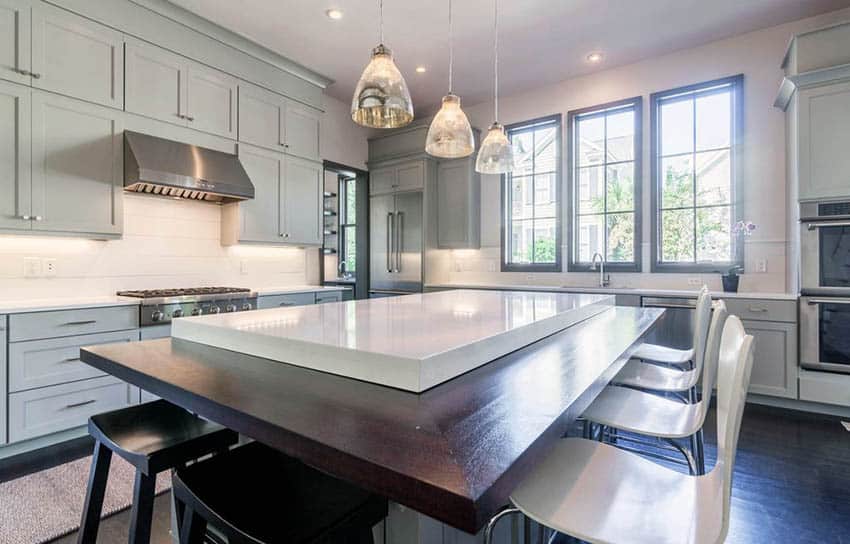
301 131
410 176
15 40
824 140
156 82
15 170
774 358
382 180
458 201
77 57
259 217
302 202
77 175
212 101
3 379
260 116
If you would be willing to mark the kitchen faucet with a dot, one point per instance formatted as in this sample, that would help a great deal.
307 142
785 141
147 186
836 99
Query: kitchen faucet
604 281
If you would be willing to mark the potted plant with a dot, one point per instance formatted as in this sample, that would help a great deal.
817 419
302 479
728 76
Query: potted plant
731 277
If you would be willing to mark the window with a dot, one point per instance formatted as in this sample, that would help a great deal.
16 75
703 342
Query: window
531 234
695 162
605 185
348 224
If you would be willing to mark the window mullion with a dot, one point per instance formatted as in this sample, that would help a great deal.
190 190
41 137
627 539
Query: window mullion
694 173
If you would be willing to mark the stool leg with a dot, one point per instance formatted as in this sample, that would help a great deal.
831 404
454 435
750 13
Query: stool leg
98 476
142 512
192 528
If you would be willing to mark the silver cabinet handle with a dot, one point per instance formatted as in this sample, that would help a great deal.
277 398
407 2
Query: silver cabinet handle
180 116
26 217
70 360
818 224
399 244
814 301
78 404
78 323
33 75
756 309
190 119
287 304
389 241
38 218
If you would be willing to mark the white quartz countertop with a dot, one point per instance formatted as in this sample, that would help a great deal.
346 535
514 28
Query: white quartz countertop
62 303
412 342
649 292
292 289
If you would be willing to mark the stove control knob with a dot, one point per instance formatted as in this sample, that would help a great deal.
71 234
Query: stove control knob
231 308
247 306
197 311
215 310
157 316
178 312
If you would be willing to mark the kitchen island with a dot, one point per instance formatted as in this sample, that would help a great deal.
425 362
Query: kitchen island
454 451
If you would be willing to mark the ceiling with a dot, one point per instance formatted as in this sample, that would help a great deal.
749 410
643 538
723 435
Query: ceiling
541 41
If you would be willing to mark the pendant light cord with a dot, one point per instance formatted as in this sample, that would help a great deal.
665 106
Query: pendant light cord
496 59
451 48
381 22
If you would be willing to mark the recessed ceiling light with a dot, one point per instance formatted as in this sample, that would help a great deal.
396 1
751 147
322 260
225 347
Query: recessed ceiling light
421 69
595 57
335 14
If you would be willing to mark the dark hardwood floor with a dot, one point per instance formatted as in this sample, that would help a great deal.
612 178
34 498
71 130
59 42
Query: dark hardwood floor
792 482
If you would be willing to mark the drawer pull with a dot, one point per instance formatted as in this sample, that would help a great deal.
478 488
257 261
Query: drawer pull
756 309
71 360
78 404
287 304
78 323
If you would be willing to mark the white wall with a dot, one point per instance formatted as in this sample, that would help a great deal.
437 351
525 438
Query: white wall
757 55
171 243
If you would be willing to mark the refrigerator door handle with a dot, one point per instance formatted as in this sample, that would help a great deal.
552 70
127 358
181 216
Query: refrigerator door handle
399 244
389 241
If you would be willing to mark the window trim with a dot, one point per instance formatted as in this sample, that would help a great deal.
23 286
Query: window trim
736 201
573 265
503 180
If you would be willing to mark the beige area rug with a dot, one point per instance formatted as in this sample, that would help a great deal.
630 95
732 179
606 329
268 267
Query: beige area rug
45 505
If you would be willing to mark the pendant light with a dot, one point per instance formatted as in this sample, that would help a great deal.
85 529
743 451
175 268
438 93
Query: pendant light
381 98
450 135
496 155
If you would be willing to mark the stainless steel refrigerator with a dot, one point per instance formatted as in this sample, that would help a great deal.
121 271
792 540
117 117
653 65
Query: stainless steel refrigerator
395 231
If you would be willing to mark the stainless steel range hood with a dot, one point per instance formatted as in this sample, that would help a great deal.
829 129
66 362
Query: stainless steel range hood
166 168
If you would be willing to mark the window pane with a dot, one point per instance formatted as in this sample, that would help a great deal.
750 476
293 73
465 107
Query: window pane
521 241
521 195
544 241
621 187
590 238
714 240
545 194
523 144
350 256
714 177
591 141
677 236
546 153
621 136
590 190
350 186
621 237
677 127
714 120
677 187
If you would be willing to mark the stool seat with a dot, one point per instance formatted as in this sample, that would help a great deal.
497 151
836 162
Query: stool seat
663 354
158 435
656 377
255 494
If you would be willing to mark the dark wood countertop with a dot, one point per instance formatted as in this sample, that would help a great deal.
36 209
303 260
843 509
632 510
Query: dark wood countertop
454 452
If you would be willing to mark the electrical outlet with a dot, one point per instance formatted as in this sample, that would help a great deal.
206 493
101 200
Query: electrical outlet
49 267
32 267
243 267
761 265
529 278
491 266
696 282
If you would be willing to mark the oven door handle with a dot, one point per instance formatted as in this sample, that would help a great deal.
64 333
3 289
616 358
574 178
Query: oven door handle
814 301
818 224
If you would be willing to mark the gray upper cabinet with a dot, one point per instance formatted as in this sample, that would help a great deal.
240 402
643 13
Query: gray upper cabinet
823 140
15 180
76 57
211 101
77 174
269 120
302 202
458 205
15 40
156 82
257 219
396 177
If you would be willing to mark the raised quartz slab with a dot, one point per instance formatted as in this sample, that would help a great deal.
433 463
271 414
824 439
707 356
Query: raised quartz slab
411 342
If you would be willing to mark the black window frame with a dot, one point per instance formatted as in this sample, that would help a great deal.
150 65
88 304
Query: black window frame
342 218
505 179
636 103
736 83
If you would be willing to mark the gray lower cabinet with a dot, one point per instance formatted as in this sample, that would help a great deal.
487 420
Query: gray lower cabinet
458 205
15 171
15 40
283 301
3 390
77 172
46 410
72 322
774 358
329 296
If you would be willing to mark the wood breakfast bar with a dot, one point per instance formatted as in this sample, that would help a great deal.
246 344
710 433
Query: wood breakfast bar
516 369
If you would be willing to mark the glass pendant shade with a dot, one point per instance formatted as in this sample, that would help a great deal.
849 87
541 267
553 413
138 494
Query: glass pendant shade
381 98
450 135
496 155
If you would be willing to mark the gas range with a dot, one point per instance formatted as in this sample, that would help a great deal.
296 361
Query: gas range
160 306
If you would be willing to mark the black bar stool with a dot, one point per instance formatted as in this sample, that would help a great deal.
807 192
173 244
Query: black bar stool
153 437
257 495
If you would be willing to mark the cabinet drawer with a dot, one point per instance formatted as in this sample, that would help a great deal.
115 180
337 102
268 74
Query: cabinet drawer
40 363
825 387
763 310
59 407
334 296
38 325
278 301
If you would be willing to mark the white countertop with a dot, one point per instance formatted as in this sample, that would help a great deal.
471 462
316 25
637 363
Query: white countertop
613 291
62 303
412 342
291 289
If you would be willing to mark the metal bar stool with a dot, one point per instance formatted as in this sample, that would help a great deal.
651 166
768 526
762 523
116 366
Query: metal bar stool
257 495
153 437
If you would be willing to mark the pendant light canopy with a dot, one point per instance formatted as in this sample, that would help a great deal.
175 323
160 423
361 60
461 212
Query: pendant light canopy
450 135
496 155
381 98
